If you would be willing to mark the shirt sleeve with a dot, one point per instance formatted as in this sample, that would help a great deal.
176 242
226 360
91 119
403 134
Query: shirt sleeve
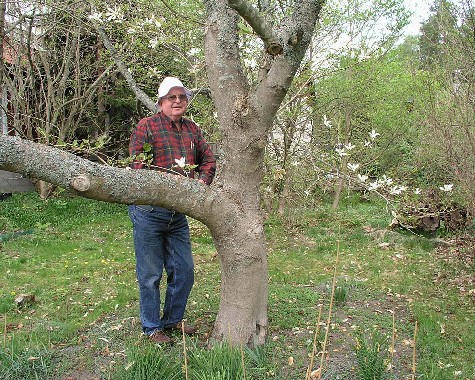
136 145
206 160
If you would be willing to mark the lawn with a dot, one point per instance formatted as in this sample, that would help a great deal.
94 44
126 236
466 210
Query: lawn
340 282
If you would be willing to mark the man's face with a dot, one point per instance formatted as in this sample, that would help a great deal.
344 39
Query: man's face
174 104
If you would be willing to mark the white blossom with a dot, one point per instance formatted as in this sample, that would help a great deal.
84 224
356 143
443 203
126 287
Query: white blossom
194 51
362 177
353 167
386 180
447 188
350 146
153 43
417 191
396 190
373 186
326 122
341 152
154 72
373 134
95 17
180 162
153 21
114 15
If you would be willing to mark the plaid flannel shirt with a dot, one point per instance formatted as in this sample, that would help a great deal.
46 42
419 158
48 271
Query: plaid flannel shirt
171 142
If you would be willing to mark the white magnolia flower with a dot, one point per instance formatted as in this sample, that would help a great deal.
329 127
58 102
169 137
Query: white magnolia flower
373 134
194 51
327 123
396 190
95 17
152 21
388 181
374 186
362 177
180 162
341 152
114 14
353 167
350 146
447 188
153 43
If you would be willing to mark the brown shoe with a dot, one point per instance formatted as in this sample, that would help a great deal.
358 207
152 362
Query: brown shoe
187 329
159 337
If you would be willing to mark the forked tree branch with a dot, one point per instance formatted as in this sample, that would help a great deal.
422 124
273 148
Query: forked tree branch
258 24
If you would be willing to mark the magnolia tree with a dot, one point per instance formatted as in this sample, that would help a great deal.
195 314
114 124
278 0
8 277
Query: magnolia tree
231 206
339 78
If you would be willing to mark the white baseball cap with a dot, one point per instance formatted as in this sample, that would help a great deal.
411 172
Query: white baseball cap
168 83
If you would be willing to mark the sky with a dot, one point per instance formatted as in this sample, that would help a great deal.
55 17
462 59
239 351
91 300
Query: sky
421 13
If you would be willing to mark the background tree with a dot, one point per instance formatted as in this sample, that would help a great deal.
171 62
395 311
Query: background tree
450 109
339 83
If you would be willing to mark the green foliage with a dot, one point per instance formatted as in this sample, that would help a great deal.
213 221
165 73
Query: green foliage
371 356
80 267
220 362
27 211
149 362
28 364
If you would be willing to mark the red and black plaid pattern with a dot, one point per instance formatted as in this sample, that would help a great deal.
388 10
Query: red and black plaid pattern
172 141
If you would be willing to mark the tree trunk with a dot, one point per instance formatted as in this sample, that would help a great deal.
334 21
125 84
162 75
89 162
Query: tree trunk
242 315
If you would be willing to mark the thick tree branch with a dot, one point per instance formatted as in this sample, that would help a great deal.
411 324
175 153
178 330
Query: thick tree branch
142 96
258 24
111 184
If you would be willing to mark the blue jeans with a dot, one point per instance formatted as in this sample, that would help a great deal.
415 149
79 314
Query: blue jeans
161 240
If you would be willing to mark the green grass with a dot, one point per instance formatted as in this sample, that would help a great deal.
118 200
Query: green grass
76 257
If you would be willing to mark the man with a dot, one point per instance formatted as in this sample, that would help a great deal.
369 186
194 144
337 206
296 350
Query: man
161 236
